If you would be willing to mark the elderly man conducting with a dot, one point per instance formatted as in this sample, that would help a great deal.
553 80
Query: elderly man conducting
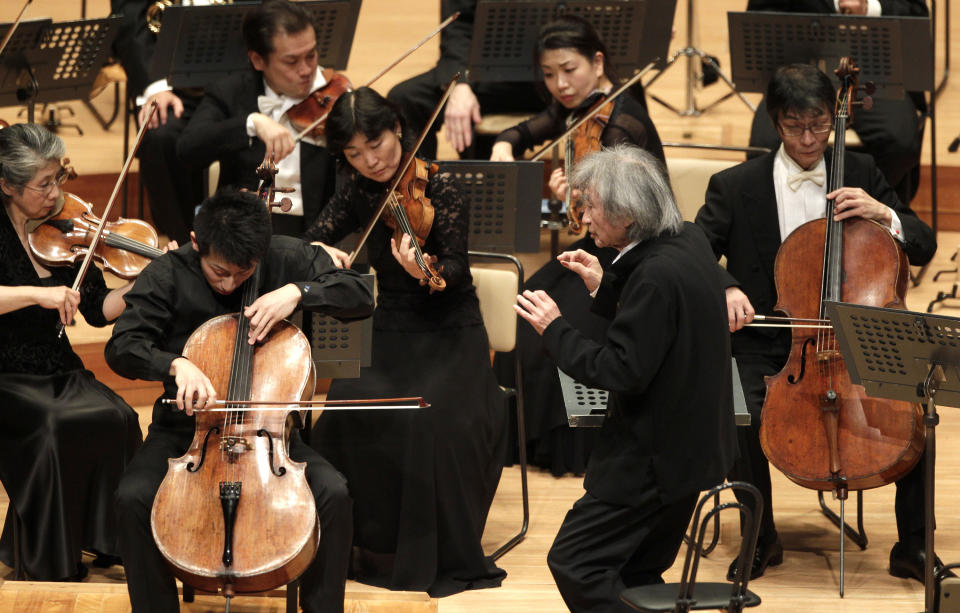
669 431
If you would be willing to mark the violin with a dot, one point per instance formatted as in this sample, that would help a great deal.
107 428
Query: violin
128 245
817 427
584 141
303 115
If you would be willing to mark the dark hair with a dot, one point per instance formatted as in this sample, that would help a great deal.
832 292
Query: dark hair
271 18
798 88
234 224
365 111
572 32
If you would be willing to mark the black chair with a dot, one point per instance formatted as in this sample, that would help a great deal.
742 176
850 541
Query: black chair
688 595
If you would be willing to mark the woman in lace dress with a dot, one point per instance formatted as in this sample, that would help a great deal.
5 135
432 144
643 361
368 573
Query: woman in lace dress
577 73
65 438
422 481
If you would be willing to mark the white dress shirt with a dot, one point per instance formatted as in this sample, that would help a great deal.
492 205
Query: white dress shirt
873 7
808 202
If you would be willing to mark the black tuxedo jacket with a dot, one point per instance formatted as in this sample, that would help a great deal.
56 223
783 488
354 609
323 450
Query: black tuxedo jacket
915 8
666 363
741 222
218 131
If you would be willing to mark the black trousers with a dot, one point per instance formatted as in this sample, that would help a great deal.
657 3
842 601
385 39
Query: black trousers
603 548
149 579
752 465
173 190
419 95
892 132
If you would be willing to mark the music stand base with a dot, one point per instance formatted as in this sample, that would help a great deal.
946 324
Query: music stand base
692 109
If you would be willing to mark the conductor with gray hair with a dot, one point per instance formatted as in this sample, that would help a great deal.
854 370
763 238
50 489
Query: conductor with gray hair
669 431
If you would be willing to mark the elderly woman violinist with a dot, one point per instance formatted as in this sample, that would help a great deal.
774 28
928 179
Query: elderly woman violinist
65 438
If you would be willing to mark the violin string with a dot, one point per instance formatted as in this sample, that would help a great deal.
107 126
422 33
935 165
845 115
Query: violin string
400 215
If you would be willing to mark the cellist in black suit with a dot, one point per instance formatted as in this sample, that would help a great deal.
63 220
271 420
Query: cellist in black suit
892 132
750 209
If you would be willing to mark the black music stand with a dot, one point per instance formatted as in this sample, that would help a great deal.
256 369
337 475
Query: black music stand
21 63
198 45
339 348
895 53
910 356
504 200
636 32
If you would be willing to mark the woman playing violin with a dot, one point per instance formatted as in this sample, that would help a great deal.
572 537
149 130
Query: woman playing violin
66 437
421 481
577 73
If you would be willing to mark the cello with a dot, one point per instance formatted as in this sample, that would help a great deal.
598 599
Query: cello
822 431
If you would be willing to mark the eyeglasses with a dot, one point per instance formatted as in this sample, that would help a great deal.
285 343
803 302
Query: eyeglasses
816 128
47 186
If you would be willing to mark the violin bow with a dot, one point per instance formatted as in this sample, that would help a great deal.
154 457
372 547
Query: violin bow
389 67
13 26
403 169
594 111
413 402
85 265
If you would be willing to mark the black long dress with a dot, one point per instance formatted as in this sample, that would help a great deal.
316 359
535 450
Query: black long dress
422 481
65 438
552 444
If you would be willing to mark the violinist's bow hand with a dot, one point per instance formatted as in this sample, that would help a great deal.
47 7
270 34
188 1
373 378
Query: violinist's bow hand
463 110
167 102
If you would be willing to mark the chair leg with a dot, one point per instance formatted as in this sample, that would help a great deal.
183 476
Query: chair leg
522 452
188 593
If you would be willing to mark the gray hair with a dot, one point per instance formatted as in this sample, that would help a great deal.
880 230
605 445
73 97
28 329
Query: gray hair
631 185
25 148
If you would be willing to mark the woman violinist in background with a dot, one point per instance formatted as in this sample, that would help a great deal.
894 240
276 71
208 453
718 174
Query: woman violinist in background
65 438
422 481
577 73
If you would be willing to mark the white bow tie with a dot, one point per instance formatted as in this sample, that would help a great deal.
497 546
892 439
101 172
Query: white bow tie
274 106
816 176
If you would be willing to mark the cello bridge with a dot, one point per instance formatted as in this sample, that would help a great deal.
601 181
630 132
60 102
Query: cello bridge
829 355
234 444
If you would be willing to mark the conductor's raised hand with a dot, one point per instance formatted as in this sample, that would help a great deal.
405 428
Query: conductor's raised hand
585 265
194 389
270 308
277 139
538 308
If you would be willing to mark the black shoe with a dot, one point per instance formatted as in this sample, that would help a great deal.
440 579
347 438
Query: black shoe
770 554
105 560
908 563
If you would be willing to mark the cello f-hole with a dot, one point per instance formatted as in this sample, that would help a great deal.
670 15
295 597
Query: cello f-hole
803 364
277 471
203 450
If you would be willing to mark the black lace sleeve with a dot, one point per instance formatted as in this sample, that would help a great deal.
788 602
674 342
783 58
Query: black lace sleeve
539 128
337 218
630 124
448 237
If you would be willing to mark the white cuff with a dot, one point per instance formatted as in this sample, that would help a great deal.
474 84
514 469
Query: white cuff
873 7
896 228
154 88
251 129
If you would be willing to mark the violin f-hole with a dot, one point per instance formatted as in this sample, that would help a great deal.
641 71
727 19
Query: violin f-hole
803 364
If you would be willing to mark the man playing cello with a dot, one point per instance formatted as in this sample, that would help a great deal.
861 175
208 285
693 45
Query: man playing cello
174 295
749 211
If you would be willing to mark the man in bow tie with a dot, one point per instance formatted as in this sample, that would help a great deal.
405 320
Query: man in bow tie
750 209
242 120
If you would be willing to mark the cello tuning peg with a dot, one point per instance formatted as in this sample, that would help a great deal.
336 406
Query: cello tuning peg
284 205
869 88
